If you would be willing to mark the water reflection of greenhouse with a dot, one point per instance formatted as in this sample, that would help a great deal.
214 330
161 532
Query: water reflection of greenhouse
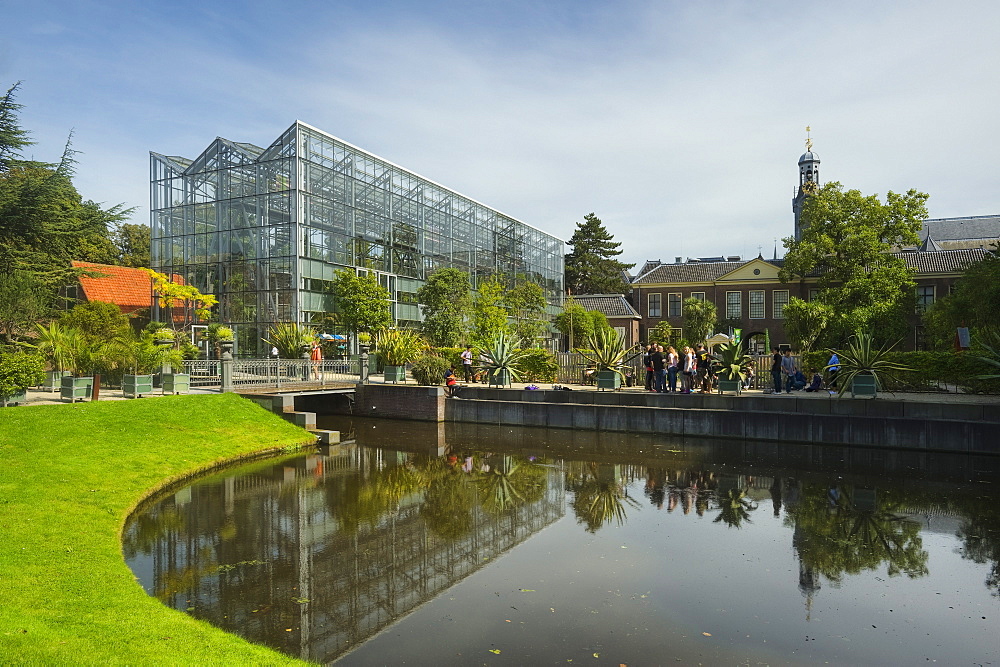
324 586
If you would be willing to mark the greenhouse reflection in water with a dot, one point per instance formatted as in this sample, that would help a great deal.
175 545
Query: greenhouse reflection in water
416 543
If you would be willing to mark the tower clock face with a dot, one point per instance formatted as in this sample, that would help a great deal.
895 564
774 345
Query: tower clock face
809 187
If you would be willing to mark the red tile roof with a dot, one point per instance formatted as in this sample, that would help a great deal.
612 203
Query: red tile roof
130 289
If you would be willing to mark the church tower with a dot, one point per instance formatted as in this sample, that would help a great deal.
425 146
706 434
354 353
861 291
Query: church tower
808 182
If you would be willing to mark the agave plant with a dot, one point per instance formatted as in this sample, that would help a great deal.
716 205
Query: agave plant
500 357
731 362
607 350
862 358
289 338
989 343
398 347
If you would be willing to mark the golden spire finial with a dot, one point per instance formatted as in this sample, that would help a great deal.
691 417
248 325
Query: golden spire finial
809 141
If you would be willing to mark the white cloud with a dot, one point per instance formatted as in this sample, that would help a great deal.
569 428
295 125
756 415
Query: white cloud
679 124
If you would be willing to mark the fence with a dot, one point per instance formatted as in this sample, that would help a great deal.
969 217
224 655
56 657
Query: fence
277 373
575 369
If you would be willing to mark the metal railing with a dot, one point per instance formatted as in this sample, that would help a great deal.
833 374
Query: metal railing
277 373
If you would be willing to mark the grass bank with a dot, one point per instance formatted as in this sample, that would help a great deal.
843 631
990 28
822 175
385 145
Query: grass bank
69 476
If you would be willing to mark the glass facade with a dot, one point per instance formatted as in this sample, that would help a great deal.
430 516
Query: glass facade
264 229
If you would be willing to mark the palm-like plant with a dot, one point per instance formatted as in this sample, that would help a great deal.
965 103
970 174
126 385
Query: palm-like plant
731 363
500 357
59 345
398 347
140 355
289 338
862 357
735 507
215 334
607 350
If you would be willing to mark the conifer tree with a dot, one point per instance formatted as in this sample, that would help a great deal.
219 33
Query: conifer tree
591 267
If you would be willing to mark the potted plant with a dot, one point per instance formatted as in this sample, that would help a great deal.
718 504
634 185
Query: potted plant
396 348
289 338
18 371
607 353
218 337
56 344
863 367
502 361
144 355
66 350
731 365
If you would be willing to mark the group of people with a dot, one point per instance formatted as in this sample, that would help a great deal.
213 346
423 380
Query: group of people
693 367
785 372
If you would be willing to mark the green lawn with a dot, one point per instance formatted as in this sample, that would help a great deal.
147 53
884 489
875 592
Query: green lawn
69 476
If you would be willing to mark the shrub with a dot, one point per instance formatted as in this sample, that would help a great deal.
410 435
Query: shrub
538 366
429 369
18 371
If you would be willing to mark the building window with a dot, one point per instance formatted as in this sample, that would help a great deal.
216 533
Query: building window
779 299
814 294
925 297
698 295
653 305
757 304
734 305
674 305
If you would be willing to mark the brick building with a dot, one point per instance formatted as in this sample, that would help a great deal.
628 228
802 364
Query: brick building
748 294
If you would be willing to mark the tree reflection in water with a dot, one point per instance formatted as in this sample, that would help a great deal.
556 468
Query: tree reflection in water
735 507
845 530
599 495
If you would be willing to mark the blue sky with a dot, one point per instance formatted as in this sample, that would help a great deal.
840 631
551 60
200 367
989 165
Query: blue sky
677 123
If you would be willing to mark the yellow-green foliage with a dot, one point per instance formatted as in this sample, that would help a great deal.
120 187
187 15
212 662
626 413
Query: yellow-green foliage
70 476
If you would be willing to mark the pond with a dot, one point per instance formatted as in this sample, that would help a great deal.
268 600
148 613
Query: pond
454 544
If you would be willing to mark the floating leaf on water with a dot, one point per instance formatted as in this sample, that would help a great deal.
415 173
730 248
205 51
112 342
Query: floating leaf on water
527 590
495 650
707 634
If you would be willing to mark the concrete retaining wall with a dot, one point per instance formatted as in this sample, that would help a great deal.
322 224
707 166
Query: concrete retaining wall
400 402
867 423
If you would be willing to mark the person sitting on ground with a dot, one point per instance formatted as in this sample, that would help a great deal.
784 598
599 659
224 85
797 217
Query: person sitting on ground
817 381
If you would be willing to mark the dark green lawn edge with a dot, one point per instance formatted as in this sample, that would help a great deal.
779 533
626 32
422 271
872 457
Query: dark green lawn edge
70 475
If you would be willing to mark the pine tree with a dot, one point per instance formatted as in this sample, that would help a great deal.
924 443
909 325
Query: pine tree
591 267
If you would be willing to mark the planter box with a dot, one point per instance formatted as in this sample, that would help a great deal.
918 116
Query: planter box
176 383
53 380
14 399
134 386
395 373
499 378
730 385
72 388
608 380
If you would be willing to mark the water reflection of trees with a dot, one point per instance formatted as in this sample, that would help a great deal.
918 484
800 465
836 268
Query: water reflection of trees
600 494
846 530
448 487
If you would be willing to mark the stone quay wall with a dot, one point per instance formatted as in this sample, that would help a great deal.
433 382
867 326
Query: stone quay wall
894 424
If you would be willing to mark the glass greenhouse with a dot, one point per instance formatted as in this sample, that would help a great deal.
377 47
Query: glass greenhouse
264 229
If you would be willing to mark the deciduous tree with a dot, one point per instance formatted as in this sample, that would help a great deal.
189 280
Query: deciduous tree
362 303
699 319
446 303
526 305
489 317
846 245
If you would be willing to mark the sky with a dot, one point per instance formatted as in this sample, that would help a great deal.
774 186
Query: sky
678 123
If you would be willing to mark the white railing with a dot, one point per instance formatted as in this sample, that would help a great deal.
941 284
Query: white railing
207 373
